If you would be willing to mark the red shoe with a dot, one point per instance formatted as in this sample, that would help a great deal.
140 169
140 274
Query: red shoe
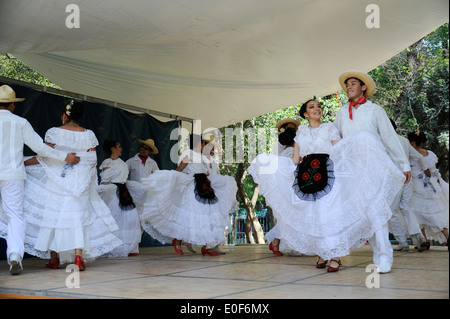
80 263
174 244
209 252
53 263
334 269
322 264
276 252
133 254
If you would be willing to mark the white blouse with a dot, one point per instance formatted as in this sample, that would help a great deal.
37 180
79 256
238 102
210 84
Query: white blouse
116 171
316 140
196 163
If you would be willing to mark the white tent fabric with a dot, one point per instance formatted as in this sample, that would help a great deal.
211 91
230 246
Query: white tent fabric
219 61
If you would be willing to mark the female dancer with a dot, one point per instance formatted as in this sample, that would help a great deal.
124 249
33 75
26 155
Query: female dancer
66 219
187 205
430 200
114 192
329 203
286 141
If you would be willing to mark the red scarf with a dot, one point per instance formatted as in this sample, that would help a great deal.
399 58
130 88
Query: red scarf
143 159
361 100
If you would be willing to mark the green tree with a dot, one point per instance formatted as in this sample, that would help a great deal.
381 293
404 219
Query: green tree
13 68
413 87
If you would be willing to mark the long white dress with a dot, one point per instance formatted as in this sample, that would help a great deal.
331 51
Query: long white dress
116 171
62 209
274 233
430 200
365 183
173 211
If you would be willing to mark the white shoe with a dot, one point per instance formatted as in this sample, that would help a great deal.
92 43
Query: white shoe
384 267
15 261
402 246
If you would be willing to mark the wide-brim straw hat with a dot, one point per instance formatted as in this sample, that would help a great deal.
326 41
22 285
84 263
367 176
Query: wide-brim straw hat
285 121
7 95
150 143
367 79
209 138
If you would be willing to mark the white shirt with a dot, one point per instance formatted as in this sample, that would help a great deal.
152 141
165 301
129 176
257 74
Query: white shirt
138 170
16 131
371 117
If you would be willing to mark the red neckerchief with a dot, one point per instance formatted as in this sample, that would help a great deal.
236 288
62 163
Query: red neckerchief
361 100
143 159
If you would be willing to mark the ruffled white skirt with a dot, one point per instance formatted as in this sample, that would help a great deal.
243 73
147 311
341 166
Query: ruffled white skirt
430 202
366 182
56 220
128 221
172 210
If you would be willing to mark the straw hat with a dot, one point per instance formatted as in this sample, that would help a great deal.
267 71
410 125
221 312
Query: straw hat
209 138
368 81
150 143
282 122
7 95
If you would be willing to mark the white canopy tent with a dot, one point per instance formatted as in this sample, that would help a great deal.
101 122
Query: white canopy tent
219 61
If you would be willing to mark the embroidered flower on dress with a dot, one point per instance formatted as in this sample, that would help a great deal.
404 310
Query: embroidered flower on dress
315 163
65 169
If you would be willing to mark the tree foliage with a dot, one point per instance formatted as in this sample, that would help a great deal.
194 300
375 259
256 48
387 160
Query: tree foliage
413 87
13 68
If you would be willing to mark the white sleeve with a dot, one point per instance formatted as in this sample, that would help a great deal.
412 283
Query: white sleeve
334 132
390 140
107 172
35 142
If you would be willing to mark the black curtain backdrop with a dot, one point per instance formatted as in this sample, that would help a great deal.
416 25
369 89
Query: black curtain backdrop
44 110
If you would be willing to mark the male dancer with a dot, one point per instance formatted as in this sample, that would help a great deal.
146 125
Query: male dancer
361 114
16 131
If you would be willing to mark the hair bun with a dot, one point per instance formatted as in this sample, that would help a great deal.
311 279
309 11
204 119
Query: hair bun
74 111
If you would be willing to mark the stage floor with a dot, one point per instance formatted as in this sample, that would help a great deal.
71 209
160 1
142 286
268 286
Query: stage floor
244 272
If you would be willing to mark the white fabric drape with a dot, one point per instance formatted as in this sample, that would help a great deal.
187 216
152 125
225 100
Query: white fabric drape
213 60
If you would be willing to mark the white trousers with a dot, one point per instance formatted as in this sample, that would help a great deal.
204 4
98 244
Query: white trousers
402 209
11 194
381 246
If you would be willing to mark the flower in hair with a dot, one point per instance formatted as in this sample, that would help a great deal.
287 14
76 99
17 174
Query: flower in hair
68 110
417 132
282 130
